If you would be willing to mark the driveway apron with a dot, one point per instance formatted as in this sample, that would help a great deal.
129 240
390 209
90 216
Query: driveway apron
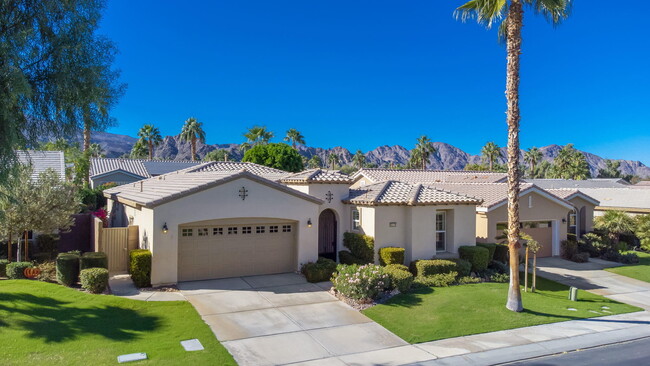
282 319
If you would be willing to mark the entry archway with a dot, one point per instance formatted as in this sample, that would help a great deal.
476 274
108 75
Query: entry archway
327 229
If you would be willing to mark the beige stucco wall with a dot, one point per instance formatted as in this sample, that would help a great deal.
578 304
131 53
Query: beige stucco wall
362 181
223 202
542 209
579 203
482 225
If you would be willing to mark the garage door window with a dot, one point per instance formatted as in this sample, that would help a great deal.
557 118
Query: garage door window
202 231
286 228
232 231
273 229
187 232
246 230
217 231
260 229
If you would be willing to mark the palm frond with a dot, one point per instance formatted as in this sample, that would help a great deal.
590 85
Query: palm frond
555 11
486 12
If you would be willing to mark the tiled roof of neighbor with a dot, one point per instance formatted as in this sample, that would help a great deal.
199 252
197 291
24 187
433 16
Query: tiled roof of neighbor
430 176
141 167
228 166
620 197
567 193
492 194
43 160
587 183
400 193
168 187
318 176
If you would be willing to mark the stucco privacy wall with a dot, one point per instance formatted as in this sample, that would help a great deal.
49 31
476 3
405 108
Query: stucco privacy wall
543 209
224 202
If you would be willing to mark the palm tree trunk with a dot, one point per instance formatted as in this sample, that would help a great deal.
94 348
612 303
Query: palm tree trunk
491 163
514 23
150 149
193 148
532 169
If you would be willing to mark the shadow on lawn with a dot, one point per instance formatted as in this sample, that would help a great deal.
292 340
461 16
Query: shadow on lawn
57 321
410 299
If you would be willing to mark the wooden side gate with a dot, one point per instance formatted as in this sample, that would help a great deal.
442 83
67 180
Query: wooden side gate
116 242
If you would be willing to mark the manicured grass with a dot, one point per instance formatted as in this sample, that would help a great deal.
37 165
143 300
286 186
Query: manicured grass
444 312
639 271
48 324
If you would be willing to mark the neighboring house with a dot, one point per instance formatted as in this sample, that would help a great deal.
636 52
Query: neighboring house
123 171
42 161
226 219
369 176
611 193
581 219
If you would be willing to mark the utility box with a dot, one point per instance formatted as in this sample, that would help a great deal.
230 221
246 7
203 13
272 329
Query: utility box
573 293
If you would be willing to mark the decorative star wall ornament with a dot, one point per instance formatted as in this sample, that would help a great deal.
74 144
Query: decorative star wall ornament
243 193
329 196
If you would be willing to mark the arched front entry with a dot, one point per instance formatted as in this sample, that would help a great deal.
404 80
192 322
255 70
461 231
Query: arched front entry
327 234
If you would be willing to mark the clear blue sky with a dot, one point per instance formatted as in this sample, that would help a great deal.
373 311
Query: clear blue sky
360 74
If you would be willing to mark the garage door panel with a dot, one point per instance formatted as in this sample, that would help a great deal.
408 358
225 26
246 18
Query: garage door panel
220 256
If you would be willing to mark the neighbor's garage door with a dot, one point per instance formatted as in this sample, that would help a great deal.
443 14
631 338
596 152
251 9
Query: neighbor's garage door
542 231
206 252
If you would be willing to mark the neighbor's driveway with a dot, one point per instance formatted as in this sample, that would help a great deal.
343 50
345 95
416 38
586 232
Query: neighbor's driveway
281 319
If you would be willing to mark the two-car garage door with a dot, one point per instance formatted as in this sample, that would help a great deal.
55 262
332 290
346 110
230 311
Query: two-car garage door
235 249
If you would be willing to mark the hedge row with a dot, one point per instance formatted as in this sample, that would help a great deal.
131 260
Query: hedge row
391 255
320 271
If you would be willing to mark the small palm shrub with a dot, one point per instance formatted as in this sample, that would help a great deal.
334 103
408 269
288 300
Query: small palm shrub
94 280
363 283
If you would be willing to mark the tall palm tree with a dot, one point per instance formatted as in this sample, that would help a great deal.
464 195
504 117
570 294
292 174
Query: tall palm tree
359 159
423 150
532 156
315 162
95 150
151 135
491 152
192 131
257 135
294 137
489 12
333 160
615 224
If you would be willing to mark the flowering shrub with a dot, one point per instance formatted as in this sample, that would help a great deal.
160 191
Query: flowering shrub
364 282
102 215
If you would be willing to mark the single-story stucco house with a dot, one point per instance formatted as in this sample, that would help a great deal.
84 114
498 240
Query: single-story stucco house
123 171
227 219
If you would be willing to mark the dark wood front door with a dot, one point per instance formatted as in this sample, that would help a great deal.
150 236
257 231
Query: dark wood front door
327 234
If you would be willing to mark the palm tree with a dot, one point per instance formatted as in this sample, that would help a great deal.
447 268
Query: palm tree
615 224
488 12
423 150
294 137
532 156
491 152
151 135
359 159
333 160
315 162
96 151
257 135
192 131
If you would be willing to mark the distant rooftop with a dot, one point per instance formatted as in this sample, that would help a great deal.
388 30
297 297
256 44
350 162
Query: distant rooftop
587 183
317 176
43 160
400 193
140 167
430 176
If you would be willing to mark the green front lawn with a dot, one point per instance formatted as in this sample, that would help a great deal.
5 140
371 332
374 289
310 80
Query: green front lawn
639 271
445 312
47 324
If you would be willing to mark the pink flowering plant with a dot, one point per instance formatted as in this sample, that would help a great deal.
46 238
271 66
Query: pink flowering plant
362 283
102 215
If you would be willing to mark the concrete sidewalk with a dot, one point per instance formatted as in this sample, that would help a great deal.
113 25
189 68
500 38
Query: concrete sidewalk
122 286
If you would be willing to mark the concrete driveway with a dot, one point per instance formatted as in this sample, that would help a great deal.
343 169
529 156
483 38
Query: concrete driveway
282 319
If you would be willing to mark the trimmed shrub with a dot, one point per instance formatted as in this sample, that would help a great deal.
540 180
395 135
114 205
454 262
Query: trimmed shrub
140 267
93 260
580 257
434 266
361 246
489 246
622 246
629 258
47 245
16 270
463 267
67 269
346 257
391 255
94 280
501 253
500 277
400 277
320 271
586 246
3 267
362 283
48 271
568 249
499 267
477 256
437 280
467 280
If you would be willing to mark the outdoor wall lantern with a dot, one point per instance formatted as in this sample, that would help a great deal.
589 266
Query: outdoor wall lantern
563 220
309 222
165 228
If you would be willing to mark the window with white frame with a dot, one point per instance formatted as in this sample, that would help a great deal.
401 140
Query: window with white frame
573 223
356 219
441 231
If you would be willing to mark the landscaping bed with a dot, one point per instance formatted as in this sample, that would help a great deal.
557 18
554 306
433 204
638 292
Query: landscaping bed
429 314
55 325
640 271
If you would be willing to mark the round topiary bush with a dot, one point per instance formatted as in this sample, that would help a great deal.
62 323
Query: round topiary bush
67 269
16 270
477 256
94 280
391 255
93 260
400 277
